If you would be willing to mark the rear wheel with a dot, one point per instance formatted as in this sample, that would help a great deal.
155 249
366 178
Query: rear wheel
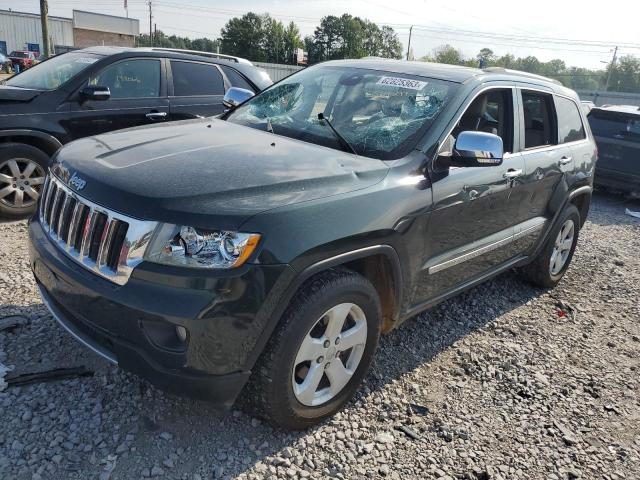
553 260
22 174
320 351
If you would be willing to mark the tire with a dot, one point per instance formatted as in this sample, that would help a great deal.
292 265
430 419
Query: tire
541 271
276 391
22 172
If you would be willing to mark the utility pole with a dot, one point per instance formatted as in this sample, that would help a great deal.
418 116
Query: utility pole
150 29
44 20
611 67
409 44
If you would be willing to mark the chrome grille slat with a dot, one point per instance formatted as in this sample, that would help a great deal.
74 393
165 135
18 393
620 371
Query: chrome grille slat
103 241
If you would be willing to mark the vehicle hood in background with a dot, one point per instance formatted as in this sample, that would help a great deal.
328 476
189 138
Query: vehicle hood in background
16 94
208 171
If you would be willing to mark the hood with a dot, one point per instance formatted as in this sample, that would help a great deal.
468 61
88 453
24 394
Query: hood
216 173
16 94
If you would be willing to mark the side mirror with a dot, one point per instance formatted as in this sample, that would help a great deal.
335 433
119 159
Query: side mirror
235 96
95 92
477 149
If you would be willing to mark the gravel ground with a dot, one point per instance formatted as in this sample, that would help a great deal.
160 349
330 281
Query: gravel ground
504 382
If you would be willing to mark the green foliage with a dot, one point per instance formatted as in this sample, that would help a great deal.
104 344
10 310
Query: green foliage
351 37
172 41
625 75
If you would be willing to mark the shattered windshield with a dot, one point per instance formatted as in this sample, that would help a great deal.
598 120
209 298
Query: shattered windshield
380 114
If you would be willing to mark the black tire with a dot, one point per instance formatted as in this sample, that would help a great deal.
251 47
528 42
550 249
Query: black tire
539 271
24 154
270 391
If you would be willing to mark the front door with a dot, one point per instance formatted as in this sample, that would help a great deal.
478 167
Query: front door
138 97
198 89
471 226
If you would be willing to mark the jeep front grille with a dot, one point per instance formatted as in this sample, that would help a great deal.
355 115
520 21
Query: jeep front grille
103 241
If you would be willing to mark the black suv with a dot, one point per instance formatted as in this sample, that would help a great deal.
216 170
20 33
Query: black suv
96 90
269 248
616 129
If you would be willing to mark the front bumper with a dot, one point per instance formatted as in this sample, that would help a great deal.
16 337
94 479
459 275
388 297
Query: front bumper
225 314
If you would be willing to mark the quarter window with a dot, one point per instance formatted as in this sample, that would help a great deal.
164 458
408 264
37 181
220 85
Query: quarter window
195 79
570 127
130 79
539 119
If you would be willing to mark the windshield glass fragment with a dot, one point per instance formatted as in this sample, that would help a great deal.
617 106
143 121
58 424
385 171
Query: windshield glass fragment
380 114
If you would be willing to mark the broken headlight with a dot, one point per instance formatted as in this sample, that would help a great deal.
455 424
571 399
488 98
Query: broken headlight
191 247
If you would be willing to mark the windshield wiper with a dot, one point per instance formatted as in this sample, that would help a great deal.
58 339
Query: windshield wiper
269 126
342 140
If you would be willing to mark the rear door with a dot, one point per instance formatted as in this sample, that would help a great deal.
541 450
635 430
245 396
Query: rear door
196 90
546 161
138 97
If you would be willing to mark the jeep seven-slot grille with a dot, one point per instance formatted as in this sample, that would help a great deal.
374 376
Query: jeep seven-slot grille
90 234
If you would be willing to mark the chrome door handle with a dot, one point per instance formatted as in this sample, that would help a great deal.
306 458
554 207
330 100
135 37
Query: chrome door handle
565 160
512 173
156 115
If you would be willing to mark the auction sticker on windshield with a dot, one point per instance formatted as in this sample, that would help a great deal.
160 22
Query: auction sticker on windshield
402 82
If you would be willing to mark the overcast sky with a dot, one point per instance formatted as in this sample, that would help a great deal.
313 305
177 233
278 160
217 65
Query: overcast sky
537 28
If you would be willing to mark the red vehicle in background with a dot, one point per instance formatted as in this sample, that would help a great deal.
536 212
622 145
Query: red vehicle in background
23 59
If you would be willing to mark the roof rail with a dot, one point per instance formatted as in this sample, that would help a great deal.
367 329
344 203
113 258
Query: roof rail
220 56
521 73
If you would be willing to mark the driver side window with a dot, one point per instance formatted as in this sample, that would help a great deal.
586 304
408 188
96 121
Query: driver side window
490 112
130 79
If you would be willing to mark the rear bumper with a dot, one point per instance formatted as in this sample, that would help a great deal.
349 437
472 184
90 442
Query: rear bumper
624 181
134 325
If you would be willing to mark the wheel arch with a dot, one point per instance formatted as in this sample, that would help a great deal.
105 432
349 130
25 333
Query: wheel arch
581 198
40 140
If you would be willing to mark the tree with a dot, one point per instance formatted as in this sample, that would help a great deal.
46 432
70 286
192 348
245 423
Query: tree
485 57
245 37
292 41
625 76
447 54
390 43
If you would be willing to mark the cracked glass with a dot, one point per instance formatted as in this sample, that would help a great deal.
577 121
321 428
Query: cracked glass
380 114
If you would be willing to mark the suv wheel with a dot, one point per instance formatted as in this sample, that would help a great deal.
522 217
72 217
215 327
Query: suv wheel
320 351
22 174
553 260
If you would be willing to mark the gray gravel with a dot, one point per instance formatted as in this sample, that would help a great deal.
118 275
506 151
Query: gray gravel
505 382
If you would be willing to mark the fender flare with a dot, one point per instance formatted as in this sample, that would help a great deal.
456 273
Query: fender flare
52 141
301 276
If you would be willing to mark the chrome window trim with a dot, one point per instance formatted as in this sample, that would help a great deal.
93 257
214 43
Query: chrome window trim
135 243
525 229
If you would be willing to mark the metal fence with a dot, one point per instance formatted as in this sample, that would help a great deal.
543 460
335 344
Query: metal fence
610 98
278 71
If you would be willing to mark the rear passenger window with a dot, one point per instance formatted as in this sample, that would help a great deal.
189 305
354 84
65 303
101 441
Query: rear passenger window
190 79
236 79
570 127
539 121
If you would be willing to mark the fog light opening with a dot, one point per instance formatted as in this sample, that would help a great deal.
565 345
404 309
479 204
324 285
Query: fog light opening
181 333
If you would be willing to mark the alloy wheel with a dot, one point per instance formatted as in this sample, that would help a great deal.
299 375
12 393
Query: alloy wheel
329 354
562 247
21 181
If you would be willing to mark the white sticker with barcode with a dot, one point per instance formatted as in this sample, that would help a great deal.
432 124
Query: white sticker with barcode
402 82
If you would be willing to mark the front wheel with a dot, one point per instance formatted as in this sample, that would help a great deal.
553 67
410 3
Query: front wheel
22 174
552 262
320 351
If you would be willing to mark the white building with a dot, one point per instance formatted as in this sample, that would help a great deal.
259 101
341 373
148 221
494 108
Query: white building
23 31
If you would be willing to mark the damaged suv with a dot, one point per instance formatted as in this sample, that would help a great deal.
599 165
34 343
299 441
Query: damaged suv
259 256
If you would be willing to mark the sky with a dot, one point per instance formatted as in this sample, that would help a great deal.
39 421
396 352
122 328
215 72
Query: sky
576 32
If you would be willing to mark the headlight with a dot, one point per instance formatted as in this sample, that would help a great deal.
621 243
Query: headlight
191 247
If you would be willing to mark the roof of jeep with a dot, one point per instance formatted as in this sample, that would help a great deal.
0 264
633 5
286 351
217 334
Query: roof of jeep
454 73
